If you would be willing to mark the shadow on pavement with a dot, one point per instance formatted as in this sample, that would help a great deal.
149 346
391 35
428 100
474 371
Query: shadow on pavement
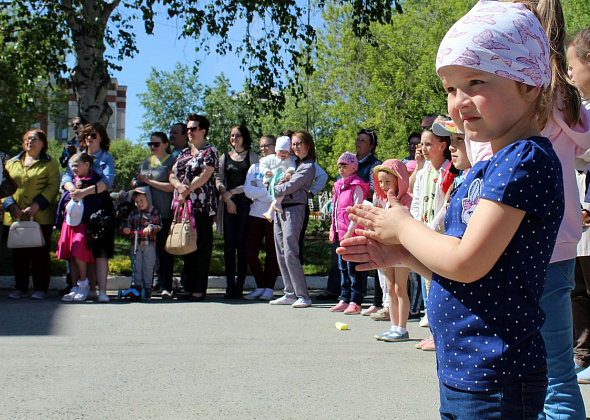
26 316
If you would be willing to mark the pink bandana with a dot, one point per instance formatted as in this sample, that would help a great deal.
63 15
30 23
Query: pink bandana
505 39
349 159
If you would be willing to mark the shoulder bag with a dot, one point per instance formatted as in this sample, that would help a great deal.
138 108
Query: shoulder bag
25 234
182 238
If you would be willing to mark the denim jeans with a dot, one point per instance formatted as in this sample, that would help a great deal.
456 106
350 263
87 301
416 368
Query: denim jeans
563 400
520 400
415 292
353 283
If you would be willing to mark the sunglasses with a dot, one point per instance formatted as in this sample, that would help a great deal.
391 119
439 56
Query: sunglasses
191 129
92 136
154 144
370 132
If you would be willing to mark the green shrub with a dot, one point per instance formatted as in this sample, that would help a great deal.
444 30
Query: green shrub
120 265
57 267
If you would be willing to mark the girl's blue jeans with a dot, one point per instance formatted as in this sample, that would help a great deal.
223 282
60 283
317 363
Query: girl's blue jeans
563 400
521 400
353 283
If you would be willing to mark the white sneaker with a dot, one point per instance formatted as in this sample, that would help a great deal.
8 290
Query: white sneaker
103 297
277 206
37 294
70 296
267 295
255 294
269 216
424 321
17 294
302 303
283 300
83 289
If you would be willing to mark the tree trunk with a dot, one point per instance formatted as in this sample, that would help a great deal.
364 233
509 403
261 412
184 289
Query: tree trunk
90 77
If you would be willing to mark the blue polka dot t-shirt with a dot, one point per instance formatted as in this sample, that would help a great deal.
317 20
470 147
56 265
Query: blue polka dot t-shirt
487 333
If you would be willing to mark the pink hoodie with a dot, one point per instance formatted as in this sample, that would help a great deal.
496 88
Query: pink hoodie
399 169
568 142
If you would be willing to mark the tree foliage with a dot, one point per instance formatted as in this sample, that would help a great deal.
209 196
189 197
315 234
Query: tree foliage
169 98
128 157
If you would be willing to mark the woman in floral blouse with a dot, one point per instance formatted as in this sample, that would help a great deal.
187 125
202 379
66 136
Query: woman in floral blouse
192 178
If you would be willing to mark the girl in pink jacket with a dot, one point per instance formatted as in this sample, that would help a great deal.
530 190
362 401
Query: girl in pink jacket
348 190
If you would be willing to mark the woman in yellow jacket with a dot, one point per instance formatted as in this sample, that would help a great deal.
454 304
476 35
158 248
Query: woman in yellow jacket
37 177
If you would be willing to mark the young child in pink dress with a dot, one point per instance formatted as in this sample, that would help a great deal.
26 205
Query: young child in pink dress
74 242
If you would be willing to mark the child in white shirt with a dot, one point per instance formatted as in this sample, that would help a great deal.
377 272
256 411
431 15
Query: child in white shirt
277 168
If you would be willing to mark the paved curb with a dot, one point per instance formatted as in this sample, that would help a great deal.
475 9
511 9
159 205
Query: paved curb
215 282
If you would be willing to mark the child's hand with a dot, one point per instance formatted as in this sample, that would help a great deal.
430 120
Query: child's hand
288 177
147 230
268 174
79 183
266 185
126 231
370 253
381 225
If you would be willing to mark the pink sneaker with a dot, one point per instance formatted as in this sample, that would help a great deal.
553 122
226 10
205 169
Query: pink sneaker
353 309
340 307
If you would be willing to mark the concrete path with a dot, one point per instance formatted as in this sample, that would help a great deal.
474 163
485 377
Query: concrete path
211 360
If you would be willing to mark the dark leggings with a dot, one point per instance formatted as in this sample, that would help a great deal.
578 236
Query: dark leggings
196 264
235 227
35 261
166 260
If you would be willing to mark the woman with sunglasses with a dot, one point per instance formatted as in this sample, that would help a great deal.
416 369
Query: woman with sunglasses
98 143
154 172
193 180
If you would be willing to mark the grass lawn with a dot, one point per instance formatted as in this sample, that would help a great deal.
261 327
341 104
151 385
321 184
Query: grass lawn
316 251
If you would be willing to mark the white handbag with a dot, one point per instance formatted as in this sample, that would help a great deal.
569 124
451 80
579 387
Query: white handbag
25 234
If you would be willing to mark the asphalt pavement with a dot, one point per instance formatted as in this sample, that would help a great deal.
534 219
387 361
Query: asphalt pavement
216 359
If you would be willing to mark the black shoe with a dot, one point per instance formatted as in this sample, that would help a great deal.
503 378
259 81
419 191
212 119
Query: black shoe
193 298
156 287
230 291
327 297
183 295
414 317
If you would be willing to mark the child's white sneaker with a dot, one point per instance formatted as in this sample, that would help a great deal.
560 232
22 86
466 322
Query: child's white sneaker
70 296
269 215
83 289
277 206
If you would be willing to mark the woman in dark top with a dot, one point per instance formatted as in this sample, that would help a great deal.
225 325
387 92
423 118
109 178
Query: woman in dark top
154 172
233 167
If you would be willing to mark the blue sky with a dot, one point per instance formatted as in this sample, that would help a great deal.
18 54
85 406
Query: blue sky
162 51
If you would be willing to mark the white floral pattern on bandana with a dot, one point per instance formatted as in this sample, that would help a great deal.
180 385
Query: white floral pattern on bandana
505 39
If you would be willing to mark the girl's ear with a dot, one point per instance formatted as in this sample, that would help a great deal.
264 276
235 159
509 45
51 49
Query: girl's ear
530 93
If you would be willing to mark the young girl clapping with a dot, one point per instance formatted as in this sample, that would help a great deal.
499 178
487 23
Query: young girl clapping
488 268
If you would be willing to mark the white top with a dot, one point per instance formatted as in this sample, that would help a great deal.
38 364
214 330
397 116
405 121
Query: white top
256 191
274 164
